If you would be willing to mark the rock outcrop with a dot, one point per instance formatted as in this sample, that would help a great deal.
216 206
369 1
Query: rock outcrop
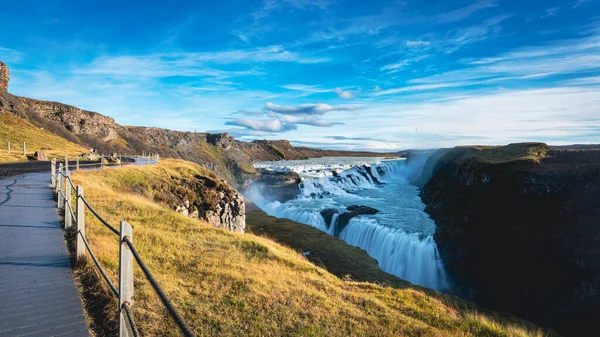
4 76
517 228
344 218
205 198
276 185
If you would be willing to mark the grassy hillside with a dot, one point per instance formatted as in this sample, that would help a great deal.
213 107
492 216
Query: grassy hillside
533 152
17 130
229 284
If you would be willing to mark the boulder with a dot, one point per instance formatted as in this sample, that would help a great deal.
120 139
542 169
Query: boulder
327 215
40 156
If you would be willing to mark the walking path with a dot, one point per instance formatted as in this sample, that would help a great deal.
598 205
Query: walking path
38 295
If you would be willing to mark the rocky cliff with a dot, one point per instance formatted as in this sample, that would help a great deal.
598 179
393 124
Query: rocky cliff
229 158
4 76
518 228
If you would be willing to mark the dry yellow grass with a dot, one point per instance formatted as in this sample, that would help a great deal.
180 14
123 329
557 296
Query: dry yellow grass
228 284
17 130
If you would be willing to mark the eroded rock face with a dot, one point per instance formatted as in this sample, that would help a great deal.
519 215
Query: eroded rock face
4 76
229 214
212 201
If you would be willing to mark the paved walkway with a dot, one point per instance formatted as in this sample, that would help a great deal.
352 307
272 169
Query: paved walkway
38 295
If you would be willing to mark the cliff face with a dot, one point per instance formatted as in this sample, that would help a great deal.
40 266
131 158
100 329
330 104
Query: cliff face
520 231
4 76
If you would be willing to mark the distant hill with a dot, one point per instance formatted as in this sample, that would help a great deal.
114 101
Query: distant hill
230 158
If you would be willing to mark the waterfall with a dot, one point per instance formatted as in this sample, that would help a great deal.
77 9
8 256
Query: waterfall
399 237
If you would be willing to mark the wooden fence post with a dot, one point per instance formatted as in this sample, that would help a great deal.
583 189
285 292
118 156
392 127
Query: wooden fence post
68 206
77 167
80 225
60 187
8 147
102 162
24 149
125 280
53 173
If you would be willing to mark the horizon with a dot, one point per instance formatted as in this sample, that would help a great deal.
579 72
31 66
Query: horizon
384 76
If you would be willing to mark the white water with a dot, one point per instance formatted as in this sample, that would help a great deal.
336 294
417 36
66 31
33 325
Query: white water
399 237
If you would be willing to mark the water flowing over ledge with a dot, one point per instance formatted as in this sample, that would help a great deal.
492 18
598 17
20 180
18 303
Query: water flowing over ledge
399 236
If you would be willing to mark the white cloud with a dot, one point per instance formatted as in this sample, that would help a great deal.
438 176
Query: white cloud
417 43
554 115
270 125
308 109
305 120
345 94
395 66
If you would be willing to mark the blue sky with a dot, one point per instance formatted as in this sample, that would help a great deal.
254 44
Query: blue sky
379 75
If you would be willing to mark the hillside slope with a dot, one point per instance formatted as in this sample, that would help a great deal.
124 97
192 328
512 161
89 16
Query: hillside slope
229 284
230 158
16 131
517 227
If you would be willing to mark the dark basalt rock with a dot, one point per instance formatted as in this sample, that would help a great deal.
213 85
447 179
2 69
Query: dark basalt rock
327 215
370 172
344 218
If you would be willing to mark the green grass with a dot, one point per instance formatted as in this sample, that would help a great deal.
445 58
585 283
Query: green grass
533 152
249 169
229 284
17 130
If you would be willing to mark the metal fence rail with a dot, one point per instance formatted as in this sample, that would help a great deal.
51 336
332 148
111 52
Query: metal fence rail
63 185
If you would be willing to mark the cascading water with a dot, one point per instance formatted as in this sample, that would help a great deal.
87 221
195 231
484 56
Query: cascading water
399 236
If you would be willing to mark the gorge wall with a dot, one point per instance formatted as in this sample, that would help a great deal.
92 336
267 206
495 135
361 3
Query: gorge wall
518 229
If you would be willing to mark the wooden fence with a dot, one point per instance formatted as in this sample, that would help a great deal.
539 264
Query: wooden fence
64 187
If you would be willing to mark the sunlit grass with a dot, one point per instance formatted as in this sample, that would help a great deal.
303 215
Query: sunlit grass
229 284
503 154
17 130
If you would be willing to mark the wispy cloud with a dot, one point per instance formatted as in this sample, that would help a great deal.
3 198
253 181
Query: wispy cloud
271 6
580 2
194 64
10 55
464 12
462 37
395 66
312 89
550 12
307 109
417 43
